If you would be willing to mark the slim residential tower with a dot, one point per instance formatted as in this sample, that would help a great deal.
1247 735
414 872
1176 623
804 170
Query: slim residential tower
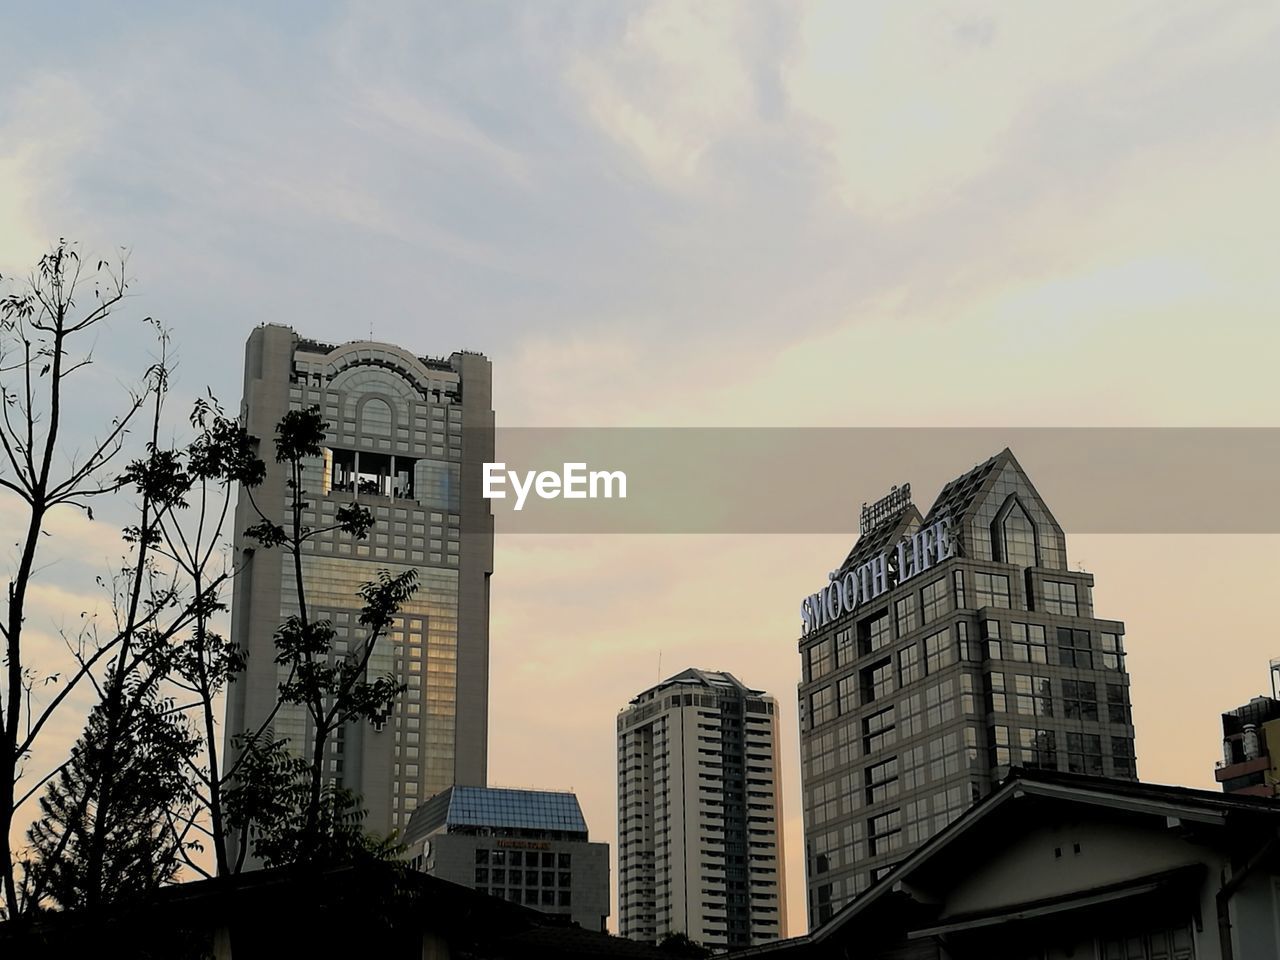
700 814
407 436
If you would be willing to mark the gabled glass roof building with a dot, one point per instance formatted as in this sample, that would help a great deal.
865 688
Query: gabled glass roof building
947 647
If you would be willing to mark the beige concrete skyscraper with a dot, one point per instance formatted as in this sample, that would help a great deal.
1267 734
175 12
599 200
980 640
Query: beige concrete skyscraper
700 813
407 436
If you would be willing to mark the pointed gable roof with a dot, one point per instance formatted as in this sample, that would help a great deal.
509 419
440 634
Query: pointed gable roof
883 536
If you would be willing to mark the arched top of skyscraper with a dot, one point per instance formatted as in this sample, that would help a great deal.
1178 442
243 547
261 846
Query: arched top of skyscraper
430 382
406 436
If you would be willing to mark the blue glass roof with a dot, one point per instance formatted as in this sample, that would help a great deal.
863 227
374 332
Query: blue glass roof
518 809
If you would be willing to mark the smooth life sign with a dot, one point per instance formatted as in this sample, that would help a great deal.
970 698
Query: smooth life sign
845 593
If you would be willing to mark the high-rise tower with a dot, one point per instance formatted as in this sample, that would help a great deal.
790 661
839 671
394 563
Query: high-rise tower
946 648
700 814
406 437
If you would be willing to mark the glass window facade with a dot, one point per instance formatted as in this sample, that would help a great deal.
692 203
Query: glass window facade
1027 643
822 705
877 681
878 730
906 615
847 694
1034 695
1112 646
1075 648
846 647
910 668
820 660
933 600
1084 753
939 651
1060 598
1080 700
1017 536
874 633
991 589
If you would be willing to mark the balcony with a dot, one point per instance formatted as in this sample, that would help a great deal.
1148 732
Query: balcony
1227 771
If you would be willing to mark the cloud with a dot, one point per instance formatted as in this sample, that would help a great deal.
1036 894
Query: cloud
677 81
49 121
916 102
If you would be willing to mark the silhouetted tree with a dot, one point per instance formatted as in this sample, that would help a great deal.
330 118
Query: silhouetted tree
46 338
145 787
136 842
221 457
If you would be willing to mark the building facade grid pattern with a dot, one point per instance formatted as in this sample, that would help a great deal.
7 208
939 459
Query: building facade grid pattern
908 719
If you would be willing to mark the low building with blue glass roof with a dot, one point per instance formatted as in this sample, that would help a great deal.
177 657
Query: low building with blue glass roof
527 846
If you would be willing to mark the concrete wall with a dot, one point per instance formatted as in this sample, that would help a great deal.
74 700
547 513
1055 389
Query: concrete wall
475 568
453 858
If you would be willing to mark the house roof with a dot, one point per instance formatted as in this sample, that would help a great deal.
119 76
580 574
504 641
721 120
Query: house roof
1175 804
372 909
1184 803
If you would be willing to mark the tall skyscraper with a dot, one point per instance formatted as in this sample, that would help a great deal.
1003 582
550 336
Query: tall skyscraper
946 648
407 437
700 813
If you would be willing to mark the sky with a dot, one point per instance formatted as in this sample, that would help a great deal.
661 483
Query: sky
721 214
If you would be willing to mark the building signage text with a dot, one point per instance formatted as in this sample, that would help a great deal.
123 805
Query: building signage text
523 845
912 556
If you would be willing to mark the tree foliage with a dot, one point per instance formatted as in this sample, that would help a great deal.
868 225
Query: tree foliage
145 789
47 329
681 945
154 748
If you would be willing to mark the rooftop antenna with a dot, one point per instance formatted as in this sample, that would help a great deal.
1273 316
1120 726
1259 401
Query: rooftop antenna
659 666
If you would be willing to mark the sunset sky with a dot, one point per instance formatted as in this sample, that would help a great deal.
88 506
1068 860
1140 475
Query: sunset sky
712 214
